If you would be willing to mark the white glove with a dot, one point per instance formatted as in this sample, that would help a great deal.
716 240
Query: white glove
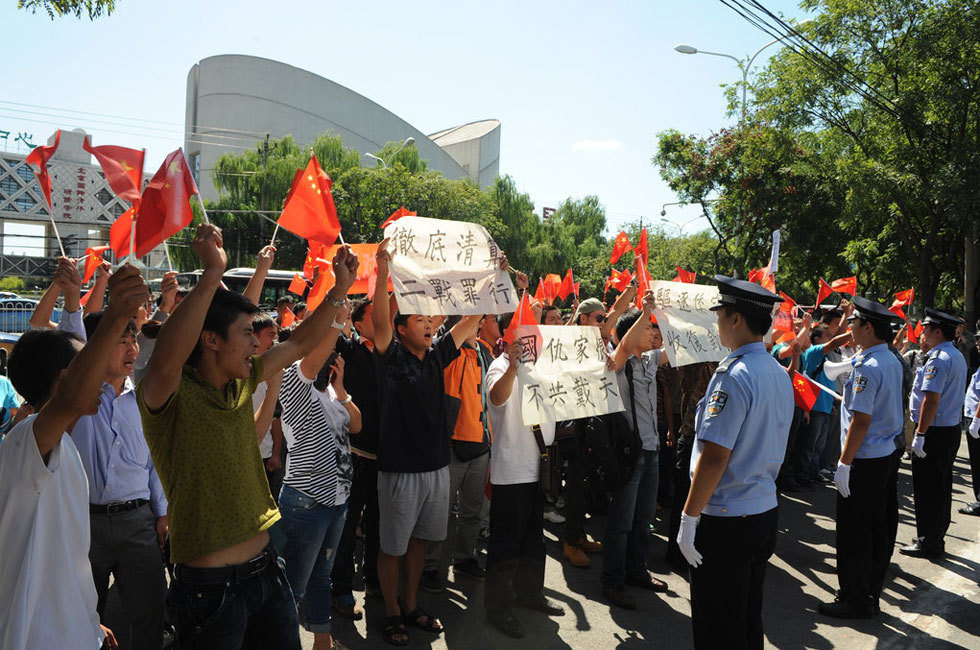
842 478
918 446
685 539
974 429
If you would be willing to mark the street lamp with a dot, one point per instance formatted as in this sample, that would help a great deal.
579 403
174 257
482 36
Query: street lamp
384 161
688 49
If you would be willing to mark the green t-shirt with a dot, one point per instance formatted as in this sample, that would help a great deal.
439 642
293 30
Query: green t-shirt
205 451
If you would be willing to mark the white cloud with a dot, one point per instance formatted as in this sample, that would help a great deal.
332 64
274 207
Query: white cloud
597 145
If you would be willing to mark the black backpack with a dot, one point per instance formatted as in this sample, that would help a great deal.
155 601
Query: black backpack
608 448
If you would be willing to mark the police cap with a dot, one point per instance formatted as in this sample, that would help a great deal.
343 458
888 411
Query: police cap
744 294
872 310
941 318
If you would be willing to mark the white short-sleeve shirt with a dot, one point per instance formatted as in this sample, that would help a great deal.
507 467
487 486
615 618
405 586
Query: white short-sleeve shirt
514 457
49 597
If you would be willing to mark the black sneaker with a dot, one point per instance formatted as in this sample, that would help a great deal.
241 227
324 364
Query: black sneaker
471 569
433 582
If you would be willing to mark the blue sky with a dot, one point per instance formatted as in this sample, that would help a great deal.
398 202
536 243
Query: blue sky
581 89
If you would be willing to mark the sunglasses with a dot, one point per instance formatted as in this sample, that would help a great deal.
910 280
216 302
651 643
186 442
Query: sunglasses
600 318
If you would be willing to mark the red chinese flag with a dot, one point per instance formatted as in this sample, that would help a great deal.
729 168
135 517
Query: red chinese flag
824 292
763 277
396 215
641 246
643 281
539 292
324 280
620 246
896 309
309 210
39 157
575 288
88 294
567 286
123 169
523 316
905 297
164 209
845 285
804 393
552 283
298 285
687 277
621 280
787 304
93 258
786 337
288 318
119 233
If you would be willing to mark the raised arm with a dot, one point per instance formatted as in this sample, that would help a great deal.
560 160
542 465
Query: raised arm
465 329
381 314
41 317
312 362
502 388
180 333
97 298
337 381
66 279
623 302
622 353
315 328
267 409
76 391
253 291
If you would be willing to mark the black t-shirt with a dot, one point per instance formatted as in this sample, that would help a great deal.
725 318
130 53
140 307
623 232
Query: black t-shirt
414 435
361 381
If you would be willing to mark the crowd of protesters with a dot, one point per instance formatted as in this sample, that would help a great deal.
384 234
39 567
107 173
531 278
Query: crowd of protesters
222 467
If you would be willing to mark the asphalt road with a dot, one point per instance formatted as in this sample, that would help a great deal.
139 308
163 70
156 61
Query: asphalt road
926 604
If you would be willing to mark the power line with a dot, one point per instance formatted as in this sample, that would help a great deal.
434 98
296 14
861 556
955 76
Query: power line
122 117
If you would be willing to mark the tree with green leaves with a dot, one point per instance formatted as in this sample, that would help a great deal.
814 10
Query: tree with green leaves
60 8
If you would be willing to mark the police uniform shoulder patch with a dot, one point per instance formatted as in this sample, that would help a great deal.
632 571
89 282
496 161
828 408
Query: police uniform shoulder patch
930 372
726 363
860 383
717 402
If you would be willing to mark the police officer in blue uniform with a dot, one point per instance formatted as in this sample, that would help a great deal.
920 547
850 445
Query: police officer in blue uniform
742 425
937 435
971 422
872 442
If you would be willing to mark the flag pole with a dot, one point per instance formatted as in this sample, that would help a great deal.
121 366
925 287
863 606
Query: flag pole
132 242
57 235
203 210
274 233
166 249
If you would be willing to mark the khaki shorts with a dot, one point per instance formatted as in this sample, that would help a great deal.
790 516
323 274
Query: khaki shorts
412 505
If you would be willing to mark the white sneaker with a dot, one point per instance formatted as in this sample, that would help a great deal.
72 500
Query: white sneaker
554 517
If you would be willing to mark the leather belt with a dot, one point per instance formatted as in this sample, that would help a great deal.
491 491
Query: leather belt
116 508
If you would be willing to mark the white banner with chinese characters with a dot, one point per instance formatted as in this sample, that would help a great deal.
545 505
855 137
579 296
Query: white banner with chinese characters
689 329
447 267
568 379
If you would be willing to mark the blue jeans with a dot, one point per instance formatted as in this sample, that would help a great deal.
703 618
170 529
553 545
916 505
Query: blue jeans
632 509
222 608
814 441
312 534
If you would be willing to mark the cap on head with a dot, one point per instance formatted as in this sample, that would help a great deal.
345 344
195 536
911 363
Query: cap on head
588 306
871 310
743 294
941 318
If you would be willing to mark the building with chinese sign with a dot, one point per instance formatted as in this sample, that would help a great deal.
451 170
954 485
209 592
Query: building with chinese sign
84 208
234 101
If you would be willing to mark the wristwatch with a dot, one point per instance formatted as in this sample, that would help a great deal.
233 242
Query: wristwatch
335 303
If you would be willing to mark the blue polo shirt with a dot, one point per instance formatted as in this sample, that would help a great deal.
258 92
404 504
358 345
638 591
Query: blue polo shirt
810 360
747 408
945 373
874 388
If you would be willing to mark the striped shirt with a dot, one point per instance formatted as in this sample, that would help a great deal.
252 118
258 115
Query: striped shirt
315 426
